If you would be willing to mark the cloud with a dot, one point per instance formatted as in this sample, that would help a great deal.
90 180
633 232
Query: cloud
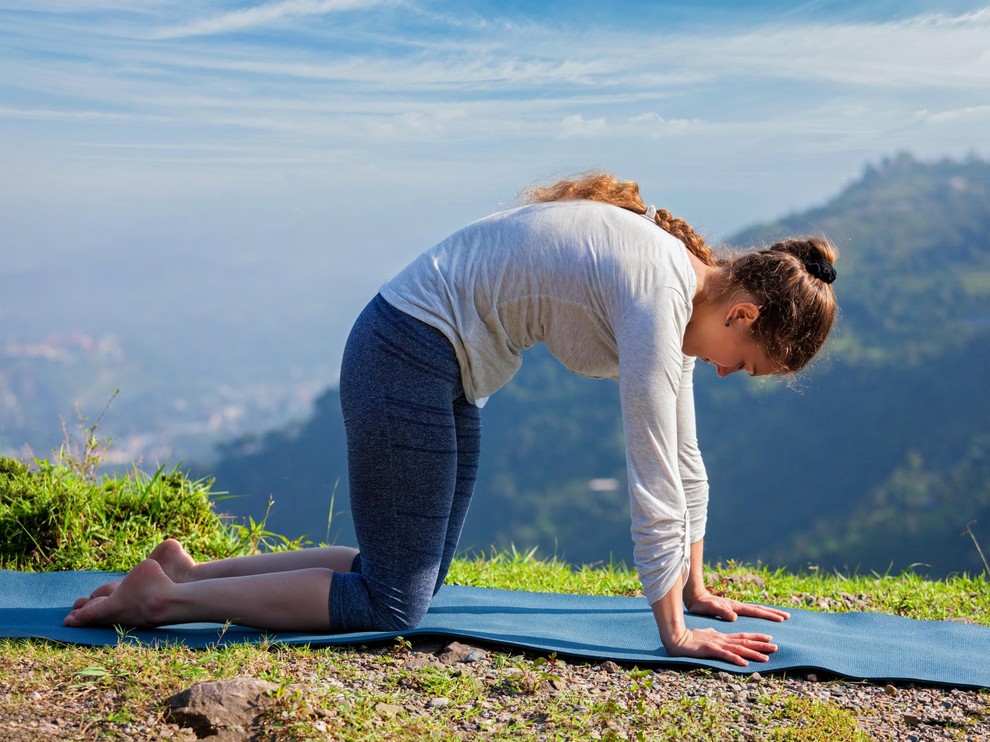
578 126
507 80
260 15
41 114
968 113
654 125
926 50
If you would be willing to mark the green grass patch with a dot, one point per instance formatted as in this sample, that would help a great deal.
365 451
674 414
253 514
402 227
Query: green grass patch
55 517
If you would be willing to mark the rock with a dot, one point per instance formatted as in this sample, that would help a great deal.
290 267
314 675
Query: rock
224 708
812 678
439 703
890 690
456 652
746 579
912 720
610 667
419 661
387 709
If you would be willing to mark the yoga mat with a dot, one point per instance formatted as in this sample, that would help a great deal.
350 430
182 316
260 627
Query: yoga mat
861 646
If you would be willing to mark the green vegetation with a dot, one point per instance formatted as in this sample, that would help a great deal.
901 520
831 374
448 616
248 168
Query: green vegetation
361 693
52 517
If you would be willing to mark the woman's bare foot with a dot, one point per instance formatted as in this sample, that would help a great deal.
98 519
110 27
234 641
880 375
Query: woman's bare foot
170 554
101 592
139 600
175 560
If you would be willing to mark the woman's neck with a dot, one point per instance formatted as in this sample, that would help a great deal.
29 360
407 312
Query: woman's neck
706 275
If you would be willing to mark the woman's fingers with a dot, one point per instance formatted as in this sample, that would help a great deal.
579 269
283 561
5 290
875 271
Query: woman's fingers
734 648
760 611
729 610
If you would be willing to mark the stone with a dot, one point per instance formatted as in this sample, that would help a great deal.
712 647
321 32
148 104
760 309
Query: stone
387 709
610 667
912 720
222 708
419 661
456 652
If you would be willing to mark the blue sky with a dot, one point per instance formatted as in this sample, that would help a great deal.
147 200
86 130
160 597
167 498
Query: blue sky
344 136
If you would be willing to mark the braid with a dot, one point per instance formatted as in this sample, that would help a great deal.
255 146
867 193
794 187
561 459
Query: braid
686 234
606 188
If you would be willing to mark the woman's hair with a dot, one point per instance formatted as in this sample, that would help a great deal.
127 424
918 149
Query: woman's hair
790 281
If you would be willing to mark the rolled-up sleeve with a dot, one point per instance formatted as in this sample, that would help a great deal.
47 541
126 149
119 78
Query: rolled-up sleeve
652 371
694 477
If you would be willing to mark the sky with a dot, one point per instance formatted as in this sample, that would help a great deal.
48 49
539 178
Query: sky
327 142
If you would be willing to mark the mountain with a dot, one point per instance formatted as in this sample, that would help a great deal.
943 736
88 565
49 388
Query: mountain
875 459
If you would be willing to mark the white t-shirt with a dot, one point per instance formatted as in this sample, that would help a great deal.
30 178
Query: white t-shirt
610 293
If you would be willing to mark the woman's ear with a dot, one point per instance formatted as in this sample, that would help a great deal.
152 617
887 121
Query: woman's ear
744 312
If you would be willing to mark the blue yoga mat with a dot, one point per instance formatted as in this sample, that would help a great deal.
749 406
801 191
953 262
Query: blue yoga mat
861 646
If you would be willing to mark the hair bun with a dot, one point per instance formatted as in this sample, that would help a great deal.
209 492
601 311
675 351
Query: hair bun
821 269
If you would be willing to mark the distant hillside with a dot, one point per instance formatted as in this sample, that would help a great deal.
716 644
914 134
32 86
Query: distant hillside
877 460
915 265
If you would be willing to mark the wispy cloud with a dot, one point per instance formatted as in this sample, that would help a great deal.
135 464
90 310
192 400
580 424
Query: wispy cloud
413 83
42 114
260 15
970 112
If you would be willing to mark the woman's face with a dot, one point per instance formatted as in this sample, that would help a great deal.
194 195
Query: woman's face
728 348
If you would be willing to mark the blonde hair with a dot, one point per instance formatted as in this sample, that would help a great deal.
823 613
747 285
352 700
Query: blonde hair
790 281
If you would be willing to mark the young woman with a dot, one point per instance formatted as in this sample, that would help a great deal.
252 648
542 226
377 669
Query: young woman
615 289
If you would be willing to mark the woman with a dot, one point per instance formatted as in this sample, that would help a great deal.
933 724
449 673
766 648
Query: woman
615 289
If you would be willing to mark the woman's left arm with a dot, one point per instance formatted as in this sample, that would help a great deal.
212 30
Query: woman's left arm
699 599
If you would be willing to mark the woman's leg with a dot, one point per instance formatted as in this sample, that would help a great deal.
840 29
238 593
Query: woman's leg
179 566
400 381
146 596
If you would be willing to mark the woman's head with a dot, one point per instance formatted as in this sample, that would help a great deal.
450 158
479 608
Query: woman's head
789 282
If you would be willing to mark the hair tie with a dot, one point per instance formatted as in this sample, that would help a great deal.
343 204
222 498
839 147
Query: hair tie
651 213
821 269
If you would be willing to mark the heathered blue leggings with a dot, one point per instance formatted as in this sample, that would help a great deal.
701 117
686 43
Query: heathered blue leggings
413 442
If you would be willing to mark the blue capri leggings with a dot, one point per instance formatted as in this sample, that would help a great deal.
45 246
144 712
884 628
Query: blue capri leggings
413 442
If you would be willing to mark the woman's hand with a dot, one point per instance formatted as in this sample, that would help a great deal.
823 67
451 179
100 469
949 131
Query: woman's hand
712 644
707 604
680 641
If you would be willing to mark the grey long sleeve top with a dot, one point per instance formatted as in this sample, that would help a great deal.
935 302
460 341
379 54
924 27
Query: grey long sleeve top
610 294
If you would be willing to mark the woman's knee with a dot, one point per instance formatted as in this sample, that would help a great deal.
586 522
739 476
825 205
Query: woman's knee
393 620
356 606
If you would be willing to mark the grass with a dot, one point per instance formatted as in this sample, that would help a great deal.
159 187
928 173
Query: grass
54 515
